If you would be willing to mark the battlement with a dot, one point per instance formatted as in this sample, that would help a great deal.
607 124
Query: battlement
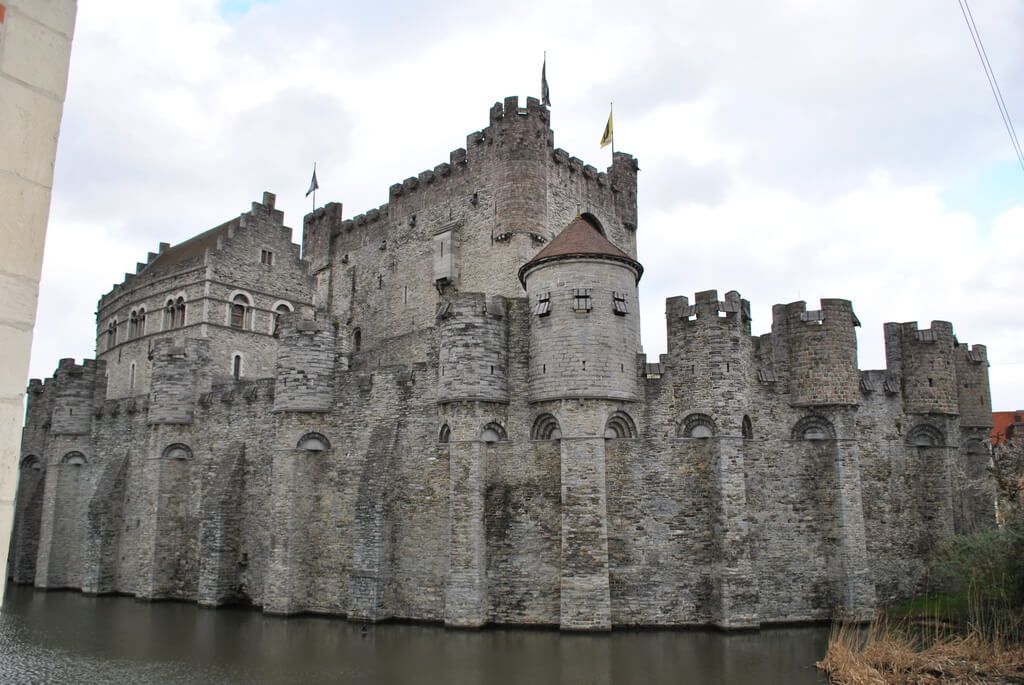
707 306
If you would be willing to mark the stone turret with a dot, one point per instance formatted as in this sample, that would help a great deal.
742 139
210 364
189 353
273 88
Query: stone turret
76 395
305 365
924 360
974 395
473 348
822 352
585 323
181 372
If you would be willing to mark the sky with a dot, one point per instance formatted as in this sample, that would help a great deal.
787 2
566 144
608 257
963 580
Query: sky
790 150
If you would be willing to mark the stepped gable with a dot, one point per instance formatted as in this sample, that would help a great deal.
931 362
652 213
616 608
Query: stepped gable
579 239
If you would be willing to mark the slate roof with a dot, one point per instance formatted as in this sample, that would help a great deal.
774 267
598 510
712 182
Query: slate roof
579 239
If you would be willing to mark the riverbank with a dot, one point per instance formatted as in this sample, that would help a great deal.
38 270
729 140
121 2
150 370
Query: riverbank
893 652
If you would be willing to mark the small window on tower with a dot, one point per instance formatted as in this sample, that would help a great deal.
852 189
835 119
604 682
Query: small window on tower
267 257
581 301
543 307
619 303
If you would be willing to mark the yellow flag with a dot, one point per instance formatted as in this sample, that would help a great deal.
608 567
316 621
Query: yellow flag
608 137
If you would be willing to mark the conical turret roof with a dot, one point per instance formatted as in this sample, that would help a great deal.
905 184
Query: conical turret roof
579 239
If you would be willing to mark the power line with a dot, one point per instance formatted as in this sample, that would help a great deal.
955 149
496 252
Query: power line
993 83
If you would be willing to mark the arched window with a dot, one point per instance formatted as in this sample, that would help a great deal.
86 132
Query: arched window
313 442
747 428
111 333
142 321
493 432
545 427
925 435
236 366
74 459
620 425
698 426
357 340
177 450
133 325
241 312
169 315
281 308
813 428
179 312
445 434
31 463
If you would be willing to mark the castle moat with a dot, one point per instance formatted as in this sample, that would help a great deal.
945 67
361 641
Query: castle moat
67 637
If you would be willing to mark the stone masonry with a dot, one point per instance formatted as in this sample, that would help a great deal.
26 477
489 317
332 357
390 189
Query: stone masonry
440 411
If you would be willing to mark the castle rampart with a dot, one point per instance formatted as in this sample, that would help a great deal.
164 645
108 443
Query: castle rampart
441 413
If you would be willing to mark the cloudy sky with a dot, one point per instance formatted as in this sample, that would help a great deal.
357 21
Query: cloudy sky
790 150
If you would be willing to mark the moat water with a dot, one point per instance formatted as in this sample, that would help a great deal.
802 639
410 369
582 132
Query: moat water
65 637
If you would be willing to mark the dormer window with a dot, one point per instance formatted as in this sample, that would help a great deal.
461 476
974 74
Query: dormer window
581 300
267 257
543 306
619 303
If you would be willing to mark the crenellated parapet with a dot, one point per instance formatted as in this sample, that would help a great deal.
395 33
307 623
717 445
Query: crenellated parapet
923 360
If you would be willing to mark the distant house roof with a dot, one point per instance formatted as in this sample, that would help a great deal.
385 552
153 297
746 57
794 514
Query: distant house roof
579 239
188 250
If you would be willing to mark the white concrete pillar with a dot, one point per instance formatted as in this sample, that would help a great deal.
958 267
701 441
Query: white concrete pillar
35 48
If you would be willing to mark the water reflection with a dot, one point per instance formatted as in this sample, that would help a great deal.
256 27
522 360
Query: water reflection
67 637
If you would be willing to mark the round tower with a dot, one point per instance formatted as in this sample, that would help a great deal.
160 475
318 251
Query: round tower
584 320
473 349
822 354
924 360
709 351
972 384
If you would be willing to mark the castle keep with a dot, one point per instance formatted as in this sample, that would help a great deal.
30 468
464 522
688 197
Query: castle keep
440 411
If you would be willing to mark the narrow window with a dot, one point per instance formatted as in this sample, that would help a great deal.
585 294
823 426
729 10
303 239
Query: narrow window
236 367
581 300
619 303
131 377
357 340
169 315
543 306
405 296
142 321
133 325
267 257
110 335
179 312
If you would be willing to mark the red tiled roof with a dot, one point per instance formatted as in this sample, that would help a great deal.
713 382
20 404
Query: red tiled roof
579 239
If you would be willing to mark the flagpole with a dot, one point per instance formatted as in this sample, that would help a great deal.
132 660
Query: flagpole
611 115
314 185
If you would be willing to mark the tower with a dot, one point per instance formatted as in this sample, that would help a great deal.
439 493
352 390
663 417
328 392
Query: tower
584 338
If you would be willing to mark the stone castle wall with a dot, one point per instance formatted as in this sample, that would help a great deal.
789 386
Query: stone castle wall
417 440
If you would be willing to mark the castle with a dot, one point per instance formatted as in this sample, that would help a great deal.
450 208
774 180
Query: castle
440 411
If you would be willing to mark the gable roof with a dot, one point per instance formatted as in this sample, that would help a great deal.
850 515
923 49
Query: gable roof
190 249
579 239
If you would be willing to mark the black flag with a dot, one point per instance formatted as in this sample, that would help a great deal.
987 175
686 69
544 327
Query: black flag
545 94
313 185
